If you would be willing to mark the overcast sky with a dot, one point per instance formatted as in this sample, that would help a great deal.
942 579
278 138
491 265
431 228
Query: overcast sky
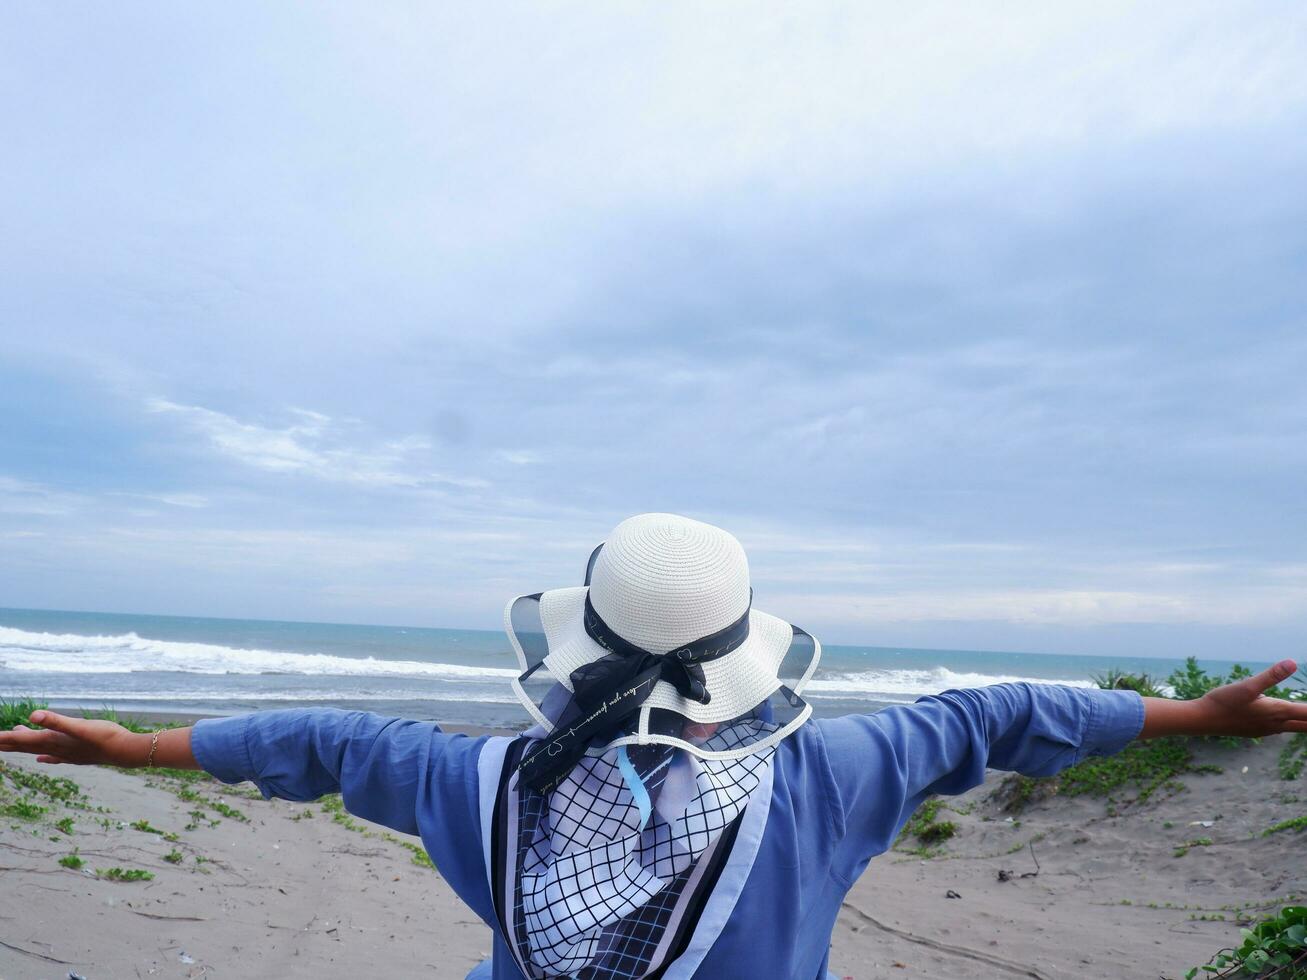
982 326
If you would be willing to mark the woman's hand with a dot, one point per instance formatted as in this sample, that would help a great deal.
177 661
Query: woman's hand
79 741
1240 709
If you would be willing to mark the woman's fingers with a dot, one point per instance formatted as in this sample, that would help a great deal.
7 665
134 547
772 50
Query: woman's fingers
1295 726
24 739
76 727
1271 676
33 741
52 760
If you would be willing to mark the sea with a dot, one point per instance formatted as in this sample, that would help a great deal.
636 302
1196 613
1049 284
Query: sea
221 666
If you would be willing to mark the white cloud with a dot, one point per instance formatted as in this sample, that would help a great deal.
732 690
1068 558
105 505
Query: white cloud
192 501
315 446
519 457
22 498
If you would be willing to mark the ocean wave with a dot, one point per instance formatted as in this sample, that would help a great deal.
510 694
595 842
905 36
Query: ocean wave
894 685
128 653
67 653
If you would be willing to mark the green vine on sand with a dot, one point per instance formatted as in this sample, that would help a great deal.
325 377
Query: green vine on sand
1274 949
1295 823
1293 756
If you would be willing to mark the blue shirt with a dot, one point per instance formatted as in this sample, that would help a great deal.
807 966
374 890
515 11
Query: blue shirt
840 792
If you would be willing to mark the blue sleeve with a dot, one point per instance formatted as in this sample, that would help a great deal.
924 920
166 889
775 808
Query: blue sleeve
407 775
885 764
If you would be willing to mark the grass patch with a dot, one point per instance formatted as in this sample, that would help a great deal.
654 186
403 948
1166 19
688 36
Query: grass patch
1132 776
73 862
15 711
174 856
1016 792
55 787
1293 756
335 806
66 825
179 775
1183 849
938 833
1120 680
1142 768
144 827
229 812
129 722
123 874
420 856
1296 823
23 809
926 827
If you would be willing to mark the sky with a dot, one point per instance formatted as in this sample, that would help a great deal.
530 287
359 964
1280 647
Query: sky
982 326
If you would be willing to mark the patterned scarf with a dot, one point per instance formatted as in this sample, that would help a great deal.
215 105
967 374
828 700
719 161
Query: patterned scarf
610 867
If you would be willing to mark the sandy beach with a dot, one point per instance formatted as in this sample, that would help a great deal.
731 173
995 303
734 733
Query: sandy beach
246 887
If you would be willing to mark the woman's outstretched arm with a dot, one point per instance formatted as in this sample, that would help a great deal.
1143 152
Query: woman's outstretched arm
388 770
85 742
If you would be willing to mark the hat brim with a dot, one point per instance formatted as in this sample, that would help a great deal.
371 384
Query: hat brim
738 682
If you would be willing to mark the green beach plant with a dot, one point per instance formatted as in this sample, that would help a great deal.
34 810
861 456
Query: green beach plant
15 711
1183 849
23 809
1293 756
926 826
1293 823
130 722
1116 679
72 862
1145 767
1274 949
58 788
1191 682
124 874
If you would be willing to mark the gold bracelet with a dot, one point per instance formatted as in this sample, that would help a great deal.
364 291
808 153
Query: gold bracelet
154 745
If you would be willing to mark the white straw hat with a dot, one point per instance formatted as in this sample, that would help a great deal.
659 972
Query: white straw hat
661 582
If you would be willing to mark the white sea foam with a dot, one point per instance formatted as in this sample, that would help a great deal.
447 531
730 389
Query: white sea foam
903 685
67 653
71 654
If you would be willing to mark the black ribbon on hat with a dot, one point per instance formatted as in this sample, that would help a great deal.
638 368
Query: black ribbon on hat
609 690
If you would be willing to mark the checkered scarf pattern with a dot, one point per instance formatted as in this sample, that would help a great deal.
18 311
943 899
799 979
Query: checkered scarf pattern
599 891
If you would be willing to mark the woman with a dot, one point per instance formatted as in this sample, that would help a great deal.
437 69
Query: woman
674 812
